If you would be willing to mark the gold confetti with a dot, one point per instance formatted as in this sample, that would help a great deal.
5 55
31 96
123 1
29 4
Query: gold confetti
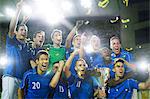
126 2
125 20
103 3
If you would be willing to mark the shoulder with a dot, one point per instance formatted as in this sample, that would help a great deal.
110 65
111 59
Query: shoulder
29 72
124 51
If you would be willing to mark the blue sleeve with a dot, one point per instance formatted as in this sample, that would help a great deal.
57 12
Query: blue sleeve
129 57
133 84
68 52
10 41
24 80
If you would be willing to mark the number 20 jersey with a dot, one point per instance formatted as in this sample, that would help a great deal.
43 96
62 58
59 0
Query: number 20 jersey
35 85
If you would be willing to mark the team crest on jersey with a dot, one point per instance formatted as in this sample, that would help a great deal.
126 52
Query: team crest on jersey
57 54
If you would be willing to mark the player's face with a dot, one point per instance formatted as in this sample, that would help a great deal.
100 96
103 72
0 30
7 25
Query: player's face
57 38
119 69
81 67
116 46
77 41
106 54
39 39
43 62
95 42
22 33
55 67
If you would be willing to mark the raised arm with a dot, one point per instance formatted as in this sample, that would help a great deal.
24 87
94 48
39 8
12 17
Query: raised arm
68 64
14 20
72 33
25 19
132 66
144 85
57 75
83 42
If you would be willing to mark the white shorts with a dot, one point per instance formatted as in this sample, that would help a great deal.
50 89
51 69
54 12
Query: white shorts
10 87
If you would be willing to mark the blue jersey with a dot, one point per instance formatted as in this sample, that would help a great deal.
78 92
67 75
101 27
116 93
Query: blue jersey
35 85
123 54
34 52
19 56
81 88
93 60
61 90
72 67
123 90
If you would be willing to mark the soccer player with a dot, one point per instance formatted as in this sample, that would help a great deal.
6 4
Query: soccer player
94 58
36 44
81 86
61 90
38 40
124 90
37 83
57 51
73 42
117 51
106 54
18 54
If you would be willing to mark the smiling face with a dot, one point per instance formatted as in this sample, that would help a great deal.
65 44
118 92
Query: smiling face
115 45
39 38
42 62
119 69
22 32
81 68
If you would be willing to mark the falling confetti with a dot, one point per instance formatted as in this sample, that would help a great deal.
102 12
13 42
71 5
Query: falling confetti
103 3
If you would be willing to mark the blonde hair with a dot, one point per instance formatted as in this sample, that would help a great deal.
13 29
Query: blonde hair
112 38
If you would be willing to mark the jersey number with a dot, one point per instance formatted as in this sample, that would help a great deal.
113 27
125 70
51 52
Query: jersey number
78 84
36 85
61 89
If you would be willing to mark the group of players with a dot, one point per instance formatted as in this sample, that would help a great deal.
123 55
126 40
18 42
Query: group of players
38 71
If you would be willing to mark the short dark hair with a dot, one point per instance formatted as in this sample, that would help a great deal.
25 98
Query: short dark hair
34 35
119 60
20 25
39 53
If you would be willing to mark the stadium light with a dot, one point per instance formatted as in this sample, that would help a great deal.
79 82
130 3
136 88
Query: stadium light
27 10
89 49
143 65
3 61
66 6
86 3
50 11
10 12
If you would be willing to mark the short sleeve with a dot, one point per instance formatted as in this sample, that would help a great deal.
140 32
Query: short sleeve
133 84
